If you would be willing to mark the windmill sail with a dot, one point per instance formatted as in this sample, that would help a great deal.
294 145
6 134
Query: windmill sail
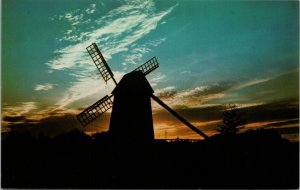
149 66
95 110
100 62
180 118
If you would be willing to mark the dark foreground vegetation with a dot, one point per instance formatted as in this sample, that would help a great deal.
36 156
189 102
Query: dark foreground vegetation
254 159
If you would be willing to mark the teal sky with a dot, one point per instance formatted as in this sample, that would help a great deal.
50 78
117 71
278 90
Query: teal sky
210 52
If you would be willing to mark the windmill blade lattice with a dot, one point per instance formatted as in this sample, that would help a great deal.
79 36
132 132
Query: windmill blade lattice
100 62
149 66
95 110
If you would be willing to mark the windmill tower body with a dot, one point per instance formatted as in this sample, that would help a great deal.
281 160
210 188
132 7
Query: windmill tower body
131 117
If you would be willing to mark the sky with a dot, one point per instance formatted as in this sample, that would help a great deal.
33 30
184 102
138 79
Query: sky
211 54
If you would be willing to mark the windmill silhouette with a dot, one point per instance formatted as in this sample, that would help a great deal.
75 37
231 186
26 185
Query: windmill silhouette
131 116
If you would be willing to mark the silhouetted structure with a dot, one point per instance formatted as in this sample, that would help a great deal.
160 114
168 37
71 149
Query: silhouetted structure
131 116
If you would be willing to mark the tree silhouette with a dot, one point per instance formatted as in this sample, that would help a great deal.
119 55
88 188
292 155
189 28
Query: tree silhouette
232 121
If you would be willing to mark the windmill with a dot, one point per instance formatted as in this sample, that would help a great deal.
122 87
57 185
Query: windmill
131 116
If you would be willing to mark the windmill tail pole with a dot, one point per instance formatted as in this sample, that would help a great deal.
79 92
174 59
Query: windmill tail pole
179 117
114 80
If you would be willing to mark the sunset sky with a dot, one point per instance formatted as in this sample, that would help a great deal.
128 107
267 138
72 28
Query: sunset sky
211 54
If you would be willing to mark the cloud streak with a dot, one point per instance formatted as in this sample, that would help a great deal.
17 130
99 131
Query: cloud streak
138 52
193 97
18 114
43 87
123 27
243 94
21 109
91 9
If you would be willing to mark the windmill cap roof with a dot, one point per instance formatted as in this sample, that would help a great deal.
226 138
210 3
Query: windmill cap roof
133 82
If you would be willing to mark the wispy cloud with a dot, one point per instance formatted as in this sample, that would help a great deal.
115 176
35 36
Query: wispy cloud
21 109
258 91
116 31
18 113
251 83
166 90
73 17
216 94
43 87
156 78
221 93
138 51
193 97
86 88
91 9
70 57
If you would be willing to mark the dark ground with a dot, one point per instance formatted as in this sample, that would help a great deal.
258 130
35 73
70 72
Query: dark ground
254 159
